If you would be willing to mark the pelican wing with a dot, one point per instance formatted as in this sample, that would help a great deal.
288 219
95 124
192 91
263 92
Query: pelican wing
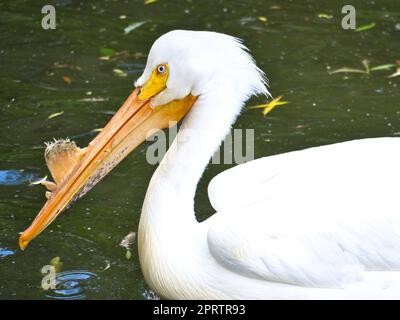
318 217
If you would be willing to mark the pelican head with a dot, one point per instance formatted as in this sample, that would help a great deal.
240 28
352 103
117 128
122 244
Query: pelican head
182 67
194 62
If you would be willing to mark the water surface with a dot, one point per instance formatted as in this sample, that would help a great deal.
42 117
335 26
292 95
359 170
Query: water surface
294 47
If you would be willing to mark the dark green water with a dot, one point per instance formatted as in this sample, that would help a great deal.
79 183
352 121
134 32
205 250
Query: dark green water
295 48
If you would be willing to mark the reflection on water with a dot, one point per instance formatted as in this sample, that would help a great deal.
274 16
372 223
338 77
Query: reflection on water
4 252
150 295
14 177
74 285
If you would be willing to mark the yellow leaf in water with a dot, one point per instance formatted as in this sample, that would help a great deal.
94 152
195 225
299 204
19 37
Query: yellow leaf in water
263 19
149 1
55 115
268 107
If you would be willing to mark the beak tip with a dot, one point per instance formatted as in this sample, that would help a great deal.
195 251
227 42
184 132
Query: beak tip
22 242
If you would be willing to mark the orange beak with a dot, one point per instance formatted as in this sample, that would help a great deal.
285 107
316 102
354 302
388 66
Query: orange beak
129 127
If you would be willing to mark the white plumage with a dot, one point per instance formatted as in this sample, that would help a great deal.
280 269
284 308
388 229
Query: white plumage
318 223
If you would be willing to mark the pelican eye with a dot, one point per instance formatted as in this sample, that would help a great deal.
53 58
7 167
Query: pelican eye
161 69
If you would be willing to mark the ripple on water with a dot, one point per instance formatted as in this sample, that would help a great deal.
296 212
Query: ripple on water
4 252
74 285
14 177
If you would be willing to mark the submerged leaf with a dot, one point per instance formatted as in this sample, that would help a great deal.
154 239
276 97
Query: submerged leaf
366 27
55 115
57 65
365 63
108 265
348 70
325 16
134 26
125 54
383 67
396 74
38 181
149 1
120 73
106 52
94 99
263 19
67 79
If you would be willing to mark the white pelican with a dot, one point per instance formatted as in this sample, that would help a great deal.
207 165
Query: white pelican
318 223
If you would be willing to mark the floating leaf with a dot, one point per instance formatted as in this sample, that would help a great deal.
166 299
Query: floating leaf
106 58
263 19
383 67
94 99
120 73
366 27
56 263
106 52
108 265
128 255
38 181
67 79
55 115
149 1
366 65
347 70
396 74
268 107
134 26
325 16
